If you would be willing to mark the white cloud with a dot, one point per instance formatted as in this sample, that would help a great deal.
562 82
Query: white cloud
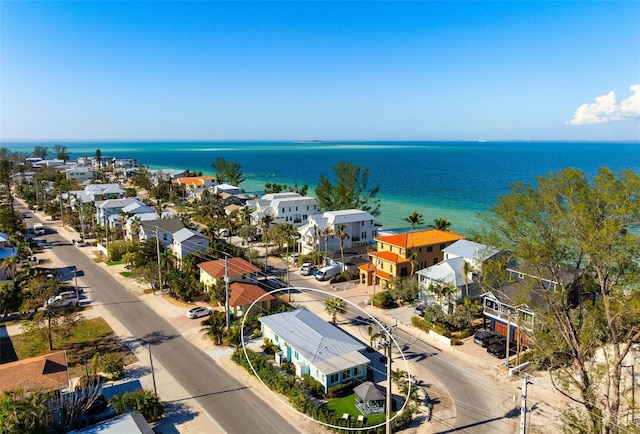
605 109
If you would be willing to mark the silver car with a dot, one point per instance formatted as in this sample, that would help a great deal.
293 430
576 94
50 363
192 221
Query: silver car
198 312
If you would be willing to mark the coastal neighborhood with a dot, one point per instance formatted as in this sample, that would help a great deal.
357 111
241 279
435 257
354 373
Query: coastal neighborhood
326 309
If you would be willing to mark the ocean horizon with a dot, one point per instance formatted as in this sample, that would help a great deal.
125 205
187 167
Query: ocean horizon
457 180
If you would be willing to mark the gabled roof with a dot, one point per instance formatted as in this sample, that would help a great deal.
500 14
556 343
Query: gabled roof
48 372
471 250
427 237
448 271
324 345
172 225
237 267
117 203
347 216
137 208
186 233
241 294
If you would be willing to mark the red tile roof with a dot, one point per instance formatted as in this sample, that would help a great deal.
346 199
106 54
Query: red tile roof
48 372
241 294
237 267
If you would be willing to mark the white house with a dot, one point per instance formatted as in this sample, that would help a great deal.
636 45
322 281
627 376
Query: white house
319 233
290 208
459 272
187 241
107 211
80 172
163 228
228 189
315 347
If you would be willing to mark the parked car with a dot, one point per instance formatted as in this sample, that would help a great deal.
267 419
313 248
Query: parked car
499 349
198 312
64 299
78 242
419 310
484 338
306 269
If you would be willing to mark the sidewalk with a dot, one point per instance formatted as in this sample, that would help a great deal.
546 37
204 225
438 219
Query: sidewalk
185 416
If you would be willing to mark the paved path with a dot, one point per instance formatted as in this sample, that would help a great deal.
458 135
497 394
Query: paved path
187 417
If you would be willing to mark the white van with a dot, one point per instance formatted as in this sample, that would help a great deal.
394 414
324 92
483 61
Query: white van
38 229
328 272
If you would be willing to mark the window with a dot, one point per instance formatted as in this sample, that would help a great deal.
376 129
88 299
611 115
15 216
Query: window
429 249
404 272
357 371
435 261
364 235
282 209
346 374
333 378
289 209
391 269
296 208
295 355
442 246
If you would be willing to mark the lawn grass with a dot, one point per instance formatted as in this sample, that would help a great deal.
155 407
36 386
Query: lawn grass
125 273
347 404
110 263
81 339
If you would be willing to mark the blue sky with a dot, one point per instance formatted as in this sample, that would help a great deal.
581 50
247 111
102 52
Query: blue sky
207 70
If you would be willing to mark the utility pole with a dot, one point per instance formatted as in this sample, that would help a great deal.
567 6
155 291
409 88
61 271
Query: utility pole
159 264
389 396
153 373
226 290
523 405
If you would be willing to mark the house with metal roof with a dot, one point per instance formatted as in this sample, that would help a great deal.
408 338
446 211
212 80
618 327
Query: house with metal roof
316 347
187 241
162 228
459 272
292 208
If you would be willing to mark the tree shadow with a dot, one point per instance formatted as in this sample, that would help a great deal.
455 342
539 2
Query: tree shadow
157 337
7 351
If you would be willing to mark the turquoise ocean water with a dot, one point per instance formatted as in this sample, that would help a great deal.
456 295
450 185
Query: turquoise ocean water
453 180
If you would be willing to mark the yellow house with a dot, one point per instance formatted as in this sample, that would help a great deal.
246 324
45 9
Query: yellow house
392 258
239 271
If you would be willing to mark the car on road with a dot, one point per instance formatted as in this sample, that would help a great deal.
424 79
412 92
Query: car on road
78 242
484 338
499 349
198 312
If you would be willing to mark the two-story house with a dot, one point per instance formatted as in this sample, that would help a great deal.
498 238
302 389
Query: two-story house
163 229
290 208
108 211
459 272
196 185
401 255
186 242
319 233
236 269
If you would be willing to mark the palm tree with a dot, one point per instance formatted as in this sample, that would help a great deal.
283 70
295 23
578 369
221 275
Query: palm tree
342 235
266 221
467 269
325 233
442 224
335 306
213 327
415 219
9 266
135 225
412 256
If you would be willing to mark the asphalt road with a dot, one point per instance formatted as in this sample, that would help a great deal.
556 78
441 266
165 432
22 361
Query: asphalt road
481 405
233 406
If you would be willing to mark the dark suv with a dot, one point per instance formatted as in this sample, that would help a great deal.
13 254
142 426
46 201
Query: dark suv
485 338
499 349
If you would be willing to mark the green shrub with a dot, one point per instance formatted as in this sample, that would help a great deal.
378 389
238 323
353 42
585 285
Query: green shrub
144 401
112 364
420 323
288 367
383 299
312 385
342 389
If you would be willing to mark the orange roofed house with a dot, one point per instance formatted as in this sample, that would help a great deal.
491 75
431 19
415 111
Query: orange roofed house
48 372
391 260
196 185
239 270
